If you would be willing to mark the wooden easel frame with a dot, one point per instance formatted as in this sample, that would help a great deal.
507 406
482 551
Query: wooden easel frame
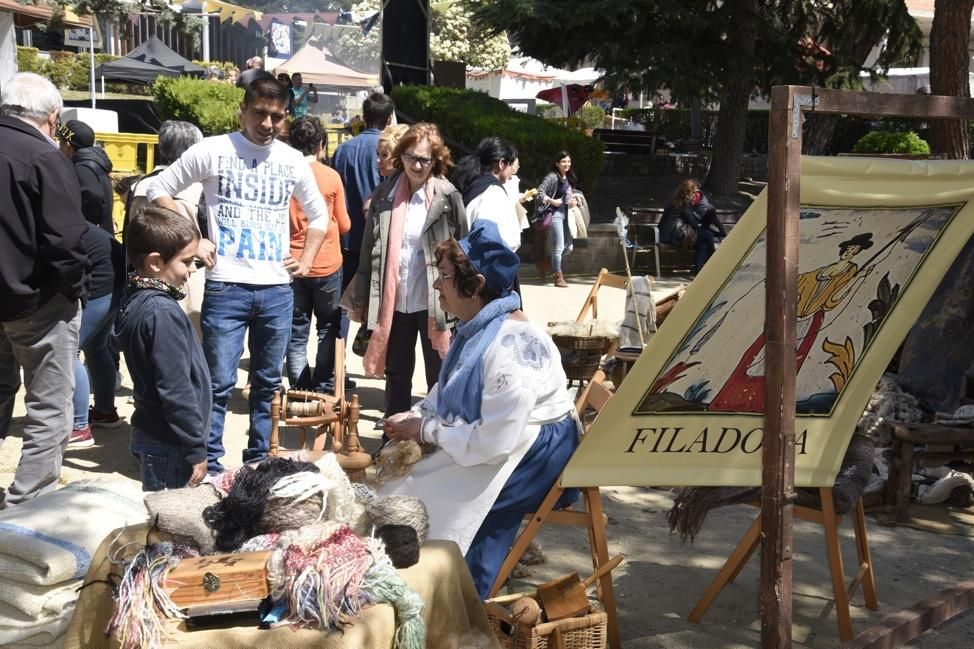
829 520
591 517
788 104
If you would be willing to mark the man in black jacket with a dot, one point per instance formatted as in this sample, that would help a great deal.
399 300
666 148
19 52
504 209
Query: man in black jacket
42 275
92 166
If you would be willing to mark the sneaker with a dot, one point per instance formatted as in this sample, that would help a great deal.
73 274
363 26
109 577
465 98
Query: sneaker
81 437
350 384
104 419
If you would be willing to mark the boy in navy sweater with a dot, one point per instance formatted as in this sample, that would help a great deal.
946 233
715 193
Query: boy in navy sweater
164 356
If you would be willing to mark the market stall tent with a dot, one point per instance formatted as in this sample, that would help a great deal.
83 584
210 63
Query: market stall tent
146 62
318 67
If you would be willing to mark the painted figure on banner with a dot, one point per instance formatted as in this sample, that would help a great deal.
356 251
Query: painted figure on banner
844 294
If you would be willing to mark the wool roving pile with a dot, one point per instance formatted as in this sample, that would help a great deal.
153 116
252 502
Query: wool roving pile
240 515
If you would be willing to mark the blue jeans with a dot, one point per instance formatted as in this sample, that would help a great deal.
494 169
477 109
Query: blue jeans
704 248
229 310
160 466
96 329
318 296
557 240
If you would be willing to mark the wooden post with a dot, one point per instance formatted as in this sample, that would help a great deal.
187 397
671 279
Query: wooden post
778 452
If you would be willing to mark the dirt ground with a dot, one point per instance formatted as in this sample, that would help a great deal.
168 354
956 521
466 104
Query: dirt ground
662 578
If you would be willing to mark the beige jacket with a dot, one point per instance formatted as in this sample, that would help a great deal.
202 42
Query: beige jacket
446 218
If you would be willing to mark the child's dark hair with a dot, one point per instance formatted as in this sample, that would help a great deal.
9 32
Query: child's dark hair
156 229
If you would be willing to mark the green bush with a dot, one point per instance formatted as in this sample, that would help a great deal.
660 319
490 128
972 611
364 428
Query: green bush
60 68
211 106
905 143
467 116
29 60
592 116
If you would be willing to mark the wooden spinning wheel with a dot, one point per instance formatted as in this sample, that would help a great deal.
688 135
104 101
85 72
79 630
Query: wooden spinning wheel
324 414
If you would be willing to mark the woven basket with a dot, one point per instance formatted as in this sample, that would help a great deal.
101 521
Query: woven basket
594 344
587 632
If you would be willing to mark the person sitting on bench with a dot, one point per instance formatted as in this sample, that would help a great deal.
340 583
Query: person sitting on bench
691 221
500 415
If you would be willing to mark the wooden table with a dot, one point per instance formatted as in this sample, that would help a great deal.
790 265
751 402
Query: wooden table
903 454
453 613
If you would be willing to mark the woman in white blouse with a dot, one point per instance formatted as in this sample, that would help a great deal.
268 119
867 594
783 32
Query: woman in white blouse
500 414
392 292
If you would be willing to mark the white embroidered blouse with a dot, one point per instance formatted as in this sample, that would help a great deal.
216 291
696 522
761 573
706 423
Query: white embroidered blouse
524 388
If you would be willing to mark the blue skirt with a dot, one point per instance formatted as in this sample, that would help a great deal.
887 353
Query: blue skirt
523 493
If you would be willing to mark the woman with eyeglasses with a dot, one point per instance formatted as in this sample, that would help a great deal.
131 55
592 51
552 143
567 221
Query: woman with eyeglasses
500 417
392 292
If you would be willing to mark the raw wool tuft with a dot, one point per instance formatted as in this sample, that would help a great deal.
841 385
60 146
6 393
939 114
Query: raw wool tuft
888 403
399 510
179 512
143 604
238 517
384 585
364 494
589 328
395 460
342 506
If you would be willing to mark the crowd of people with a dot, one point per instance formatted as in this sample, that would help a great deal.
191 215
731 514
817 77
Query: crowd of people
390 236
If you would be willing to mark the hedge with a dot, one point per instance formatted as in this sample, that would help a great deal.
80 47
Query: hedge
467 116
901 142
211 106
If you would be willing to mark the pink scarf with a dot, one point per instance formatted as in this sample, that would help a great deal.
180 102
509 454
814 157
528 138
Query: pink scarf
374 362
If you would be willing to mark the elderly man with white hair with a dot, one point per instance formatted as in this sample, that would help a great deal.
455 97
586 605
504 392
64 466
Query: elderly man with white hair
42 276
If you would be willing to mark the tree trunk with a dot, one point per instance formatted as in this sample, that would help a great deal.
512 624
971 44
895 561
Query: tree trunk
949 67
817 134
725 165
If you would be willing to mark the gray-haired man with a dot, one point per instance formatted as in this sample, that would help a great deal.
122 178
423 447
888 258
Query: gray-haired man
42 276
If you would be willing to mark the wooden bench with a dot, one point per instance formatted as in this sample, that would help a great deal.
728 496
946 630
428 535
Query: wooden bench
906 437
623 141
644 235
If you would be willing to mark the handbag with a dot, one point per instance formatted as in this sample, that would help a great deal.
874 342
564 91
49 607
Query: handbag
542 218
361 341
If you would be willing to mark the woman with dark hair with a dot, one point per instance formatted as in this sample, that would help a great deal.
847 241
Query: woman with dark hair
555 196
691 221
500 416
285 78
392 292
480 177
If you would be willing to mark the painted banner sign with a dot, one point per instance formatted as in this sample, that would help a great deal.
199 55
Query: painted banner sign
876 237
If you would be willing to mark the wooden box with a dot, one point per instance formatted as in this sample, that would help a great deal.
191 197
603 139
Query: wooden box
218 579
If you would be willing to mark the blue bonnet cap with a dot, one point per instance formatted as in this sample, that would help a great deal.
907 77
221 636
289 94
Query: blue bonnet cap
490 256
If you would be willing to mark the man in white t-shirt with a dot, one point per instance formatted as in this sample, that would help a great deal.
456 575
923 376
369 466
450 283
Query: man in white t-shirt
248 179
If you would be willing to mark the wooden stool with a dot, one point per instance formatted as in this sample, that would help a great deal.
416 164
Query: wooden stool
829 520
903 454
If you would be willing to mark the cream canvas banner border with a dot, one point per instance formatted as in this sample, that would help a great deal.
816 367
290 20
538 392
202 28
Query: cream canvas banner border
877 236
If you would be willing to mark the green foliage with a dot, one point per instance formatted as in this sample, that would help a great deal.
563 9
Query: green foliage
592 116
467 116
906 143
29 60
60 68
211 106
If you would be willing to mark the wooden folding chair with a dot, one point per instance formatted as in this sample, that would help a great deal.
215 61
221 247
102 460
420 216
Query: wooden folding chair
829 520
604 278
595 395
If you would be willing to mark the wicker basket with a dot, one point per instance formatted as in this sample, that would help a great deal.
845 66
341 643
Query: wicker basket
587 632
580 355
